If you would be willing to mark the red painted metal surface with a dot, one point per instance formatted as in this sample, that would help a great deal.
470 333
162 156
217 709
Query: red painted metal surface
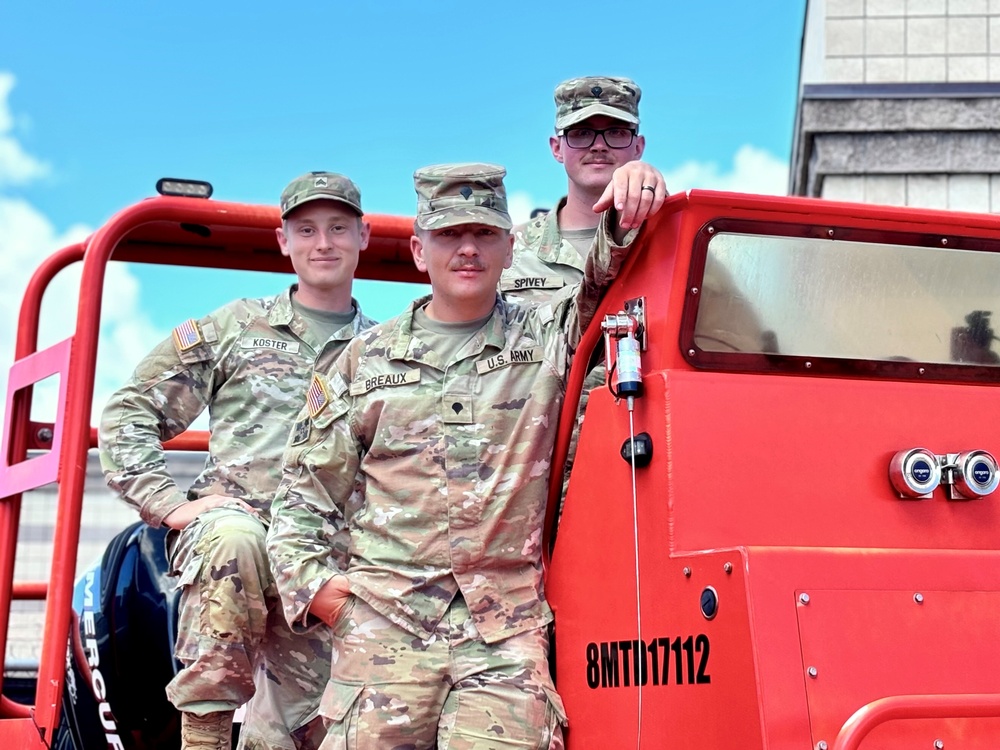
592 587
765 487
861 645
17 477
11 710
18 730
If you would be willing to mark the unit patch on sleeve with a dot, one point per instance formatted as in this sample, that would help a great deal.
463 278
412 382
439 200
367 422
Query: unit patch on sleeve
509 357
300 431
317 397
187 336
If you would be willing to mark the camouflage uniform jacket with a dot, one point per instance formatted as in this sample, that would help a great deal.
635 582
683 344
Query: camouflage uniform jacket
251 369
543 263
440 472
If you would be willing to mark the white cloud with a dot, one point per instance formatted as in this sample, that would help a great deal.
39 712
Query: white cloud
27 237
17 167
754 170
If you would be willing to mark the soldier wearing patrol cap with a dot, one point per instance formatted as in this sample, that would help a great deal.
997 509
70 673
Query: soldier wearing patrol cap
597 140
249 364
431 438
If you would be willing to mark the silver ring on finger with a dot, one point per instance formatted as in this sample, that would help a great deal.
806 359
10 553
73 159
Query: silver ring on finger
650 188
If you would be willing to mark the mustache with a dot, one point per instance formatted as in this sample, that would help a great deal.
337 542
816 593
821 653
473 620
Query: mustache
471 264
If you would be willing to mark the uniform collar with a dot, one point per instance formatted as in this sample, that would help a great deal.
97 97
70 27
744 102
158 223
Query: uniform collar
282 313
543 232
402 344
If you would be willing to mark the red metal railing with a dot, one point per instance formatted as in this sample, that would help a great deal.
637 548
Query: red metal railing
866 718
18 439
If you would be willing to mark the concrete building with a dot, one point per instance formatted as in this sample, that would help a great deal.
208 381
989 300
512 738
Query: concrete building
899 103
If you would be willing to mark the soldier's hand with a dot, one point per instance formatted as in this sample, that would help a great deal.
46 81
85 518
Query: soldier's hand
637 190
330 599
186 513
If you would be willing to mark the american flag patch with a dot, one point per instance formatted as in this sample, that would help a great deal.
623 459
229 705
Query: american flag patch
187 335
317 398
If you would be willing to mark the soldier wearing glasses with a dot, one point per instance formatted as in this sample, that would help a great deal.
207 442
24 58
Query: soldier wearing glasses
597 140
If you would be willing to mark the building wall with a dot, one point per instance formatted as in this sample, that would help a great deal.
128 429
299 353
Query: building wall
104 515
916 41
899 103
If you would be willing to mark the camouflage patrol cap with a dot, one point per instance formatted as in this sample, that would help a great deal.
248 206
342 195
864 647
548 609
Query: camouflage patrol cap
580 98
453 194
316 185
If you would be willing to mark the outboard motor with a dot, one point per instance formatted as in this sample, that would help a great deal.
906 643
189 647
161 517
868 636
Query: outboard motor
120 653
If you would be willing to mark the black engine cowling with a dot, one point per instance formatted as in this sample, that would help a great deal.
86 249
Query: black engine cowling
120 654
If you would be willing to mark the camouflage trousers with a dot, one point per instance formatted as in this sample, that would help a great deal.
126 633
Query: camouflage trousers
391 689
233 640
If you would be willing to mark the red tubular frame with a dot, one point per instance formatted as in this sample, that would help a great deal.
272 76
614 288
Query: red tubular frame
10 507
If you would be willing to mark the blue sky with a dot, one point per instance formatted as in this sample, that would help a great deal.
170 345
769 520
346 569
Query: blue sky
99 100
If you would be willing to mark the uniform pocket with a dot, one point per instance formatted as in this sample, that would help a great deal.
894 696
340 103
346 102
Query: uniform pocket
343 616
556 704
552 739
339 709
156 377
309 732
190 572
186 559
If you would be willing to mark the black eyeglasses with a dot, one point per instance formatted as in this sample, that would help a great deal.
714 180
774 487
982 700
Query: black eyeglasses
585 137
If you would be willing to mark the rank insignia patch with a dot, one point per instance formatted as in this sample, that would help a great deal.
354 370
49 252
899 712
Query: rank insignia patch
317 398
187 336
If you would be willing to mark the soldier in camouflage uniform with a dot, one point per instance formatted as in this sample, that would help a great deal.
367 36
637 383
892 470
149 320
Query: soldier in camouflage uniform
431 437
597 138
597 141
249 363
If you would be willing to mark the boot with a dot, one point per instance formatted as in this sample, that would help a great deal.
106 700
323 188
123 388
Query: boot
213 731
